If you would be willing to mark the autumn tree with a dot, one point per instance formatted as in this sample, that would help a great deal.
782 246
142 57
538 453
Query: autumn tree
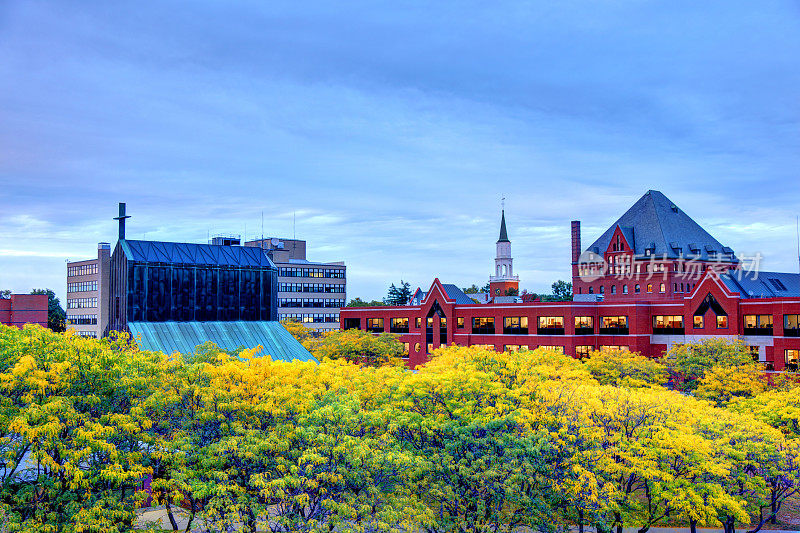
358 346
690 362
622 368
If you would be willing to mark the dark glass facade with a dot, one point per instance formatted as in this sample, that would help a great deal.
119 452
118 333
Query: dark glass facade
162 293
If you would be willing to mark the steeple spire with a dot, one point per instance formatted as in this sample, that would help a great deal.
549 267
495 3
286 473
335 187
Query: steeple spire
503 232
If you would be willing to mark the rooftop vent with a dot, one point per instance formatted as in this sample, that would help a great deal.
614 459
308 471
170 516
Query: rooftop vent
226 240
674 208
777 284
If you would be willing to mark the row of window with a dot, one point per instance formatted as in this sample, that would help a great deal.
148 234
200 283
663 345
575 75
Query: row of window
82 286
82 320
315 318
82 270
92 334
310 302
293 272
81 303
584 325
311 287
649 288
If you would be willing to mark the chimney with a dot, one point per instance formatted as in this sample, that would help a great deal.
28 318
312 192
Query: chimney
576 240
121 218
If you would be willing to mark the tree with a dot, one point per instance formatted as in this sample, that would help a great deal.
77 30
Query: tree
625 369
298 330
562 291
690 362
358 302
358 346
5 294
512 292
56 316
472 289
72 433
721 384
398 295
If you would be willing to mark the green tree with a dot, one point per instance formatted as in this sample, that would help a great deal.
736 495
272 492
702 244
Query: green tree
56 316
690 362
398 295
472 289
357 346
5 293
625 369
358 302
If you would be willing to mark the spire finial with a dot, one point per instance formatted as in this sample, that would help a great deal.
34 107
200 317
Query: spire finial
503 203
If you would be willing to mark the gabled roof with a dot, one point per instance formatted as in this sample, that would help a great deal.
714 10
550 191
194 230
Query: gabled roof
184 337
503 232
194 254
456 294
654 222
762 284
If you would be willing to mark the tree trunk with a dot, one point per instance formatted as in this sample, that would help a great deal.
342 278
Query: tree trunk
774 507
580 521
692 526
618 521
172 521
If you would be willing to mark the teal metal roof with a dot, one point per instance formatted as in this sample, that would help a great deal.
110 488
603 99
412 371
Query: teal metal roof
184 337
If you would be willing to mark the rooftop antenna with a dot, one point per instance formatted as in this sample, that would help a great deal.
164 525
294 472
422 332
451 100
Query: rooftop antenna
797 221
262 228
294 225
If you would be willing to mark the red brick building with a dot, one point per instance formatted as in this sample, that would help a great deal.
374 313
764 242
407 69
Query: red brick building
21 309
655 278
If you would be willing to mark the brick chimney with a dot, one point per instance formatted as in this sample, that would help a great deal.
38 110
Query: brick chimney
576 240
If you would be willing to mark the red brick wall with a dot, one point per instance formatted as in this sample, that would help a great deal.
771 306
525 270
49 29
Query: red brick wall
23 309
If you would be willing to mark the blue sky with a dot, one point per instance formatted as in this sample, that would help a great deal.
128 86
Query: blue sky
392 130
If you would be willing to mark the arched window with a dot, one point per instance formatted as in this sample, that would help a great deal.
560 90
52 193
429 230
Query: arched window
602 290
591 290
662 288
637 289
613 289
649 287
624 289
416 347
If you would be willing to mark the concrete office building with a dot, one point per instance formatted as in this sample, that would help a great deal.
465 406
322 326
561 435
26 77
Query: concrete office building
87 293
309 292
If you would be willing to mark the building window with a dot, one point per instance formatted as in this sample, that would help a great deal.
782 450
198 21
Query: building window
584 325
754 353
430 348
722 322
614 325
698 322
662 288
82 320
792 359
417 347
624 289
602 289
583 351
613 289
557 349
758 324
419 322
399 325
352 323
460 322
617 348
668 325
591 290
637 289
550 325
375 325
791 325
405 349
515 347
483 326
515 325
649 287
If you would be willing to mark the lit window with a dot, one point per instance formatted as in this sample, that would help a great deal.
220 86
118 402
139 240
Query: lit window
460 322
417 347
649 287
698 322
722 322
662 288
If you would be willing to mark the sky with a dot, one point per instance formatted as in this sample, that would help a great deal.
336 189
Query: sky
386 134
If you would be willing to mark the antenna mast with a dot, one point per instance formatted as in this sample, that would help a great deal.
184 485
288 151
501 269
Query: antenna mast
797 219
262 228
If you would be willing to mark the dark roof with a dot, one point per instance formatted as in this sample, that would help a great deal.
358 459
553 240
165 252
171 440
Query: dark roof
184 337
454 293
503 232
762 284
195 254
654 222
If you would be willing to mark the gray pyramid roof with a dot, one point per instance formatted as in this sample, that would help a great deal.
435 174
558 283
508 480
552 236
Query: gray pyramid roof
755 284
194 254
503 232
654 222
